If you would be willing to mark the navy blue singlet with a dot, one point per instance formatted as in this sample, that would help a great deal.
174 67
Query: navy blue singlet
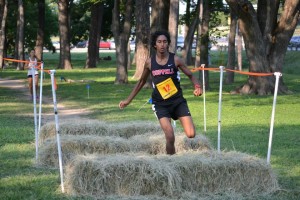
159 74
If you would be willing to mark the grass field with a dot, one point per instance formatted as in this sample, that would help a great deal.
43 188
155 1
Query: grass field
245 122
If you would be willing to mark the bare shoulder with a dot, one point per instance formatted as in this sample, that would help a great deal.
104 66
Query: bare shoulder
178 61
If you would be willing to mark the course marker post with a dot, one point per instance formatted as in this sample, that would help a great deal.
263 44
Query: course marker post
220 108
277 75
41 96
52 72
204 100
35 114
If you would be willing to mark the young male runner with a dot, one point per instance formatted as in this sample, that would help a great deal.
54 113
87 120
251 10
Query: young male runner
167 98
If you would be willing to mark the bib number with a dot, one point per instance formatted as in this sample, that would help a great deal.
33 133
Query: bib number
167 88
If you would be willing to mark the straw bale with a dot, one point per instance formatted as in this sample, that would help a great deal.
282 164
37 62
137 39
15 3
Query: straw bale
156 144
96 127
149 143
171 176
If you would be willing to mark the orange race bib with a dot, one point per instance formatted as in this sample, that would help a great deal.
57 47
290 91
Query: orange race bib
167 88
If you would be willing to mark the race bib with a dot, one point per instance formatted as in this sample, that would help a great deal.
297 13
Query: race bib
167 88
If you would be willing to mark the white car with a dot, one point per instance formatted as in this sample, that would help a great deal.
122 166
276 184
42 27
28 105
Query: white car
56 44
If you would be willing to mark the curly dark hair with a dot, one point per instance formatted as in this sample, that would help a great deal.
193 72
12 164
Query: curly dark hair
155 35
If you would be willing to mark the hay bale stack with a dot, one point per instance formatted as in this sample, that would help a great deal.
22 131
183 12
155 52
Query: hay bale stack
149 143
156 143
95 127
194 172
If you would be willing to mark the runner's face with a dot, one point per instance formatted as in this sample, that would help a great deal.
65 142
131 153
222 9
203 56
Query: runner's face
161 44
32 53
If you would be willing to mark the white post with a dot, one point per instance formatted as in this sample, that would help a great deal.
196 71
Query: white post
52 72
41 95
204 100
277 75
220 108
35 114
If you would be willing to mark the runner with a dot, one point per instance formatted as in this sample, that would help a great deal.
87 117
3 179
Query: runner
167 98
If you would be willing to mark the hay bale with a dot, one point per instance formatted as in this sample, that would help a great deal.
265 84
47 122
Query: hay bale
149 143
95 127
156 144
193 172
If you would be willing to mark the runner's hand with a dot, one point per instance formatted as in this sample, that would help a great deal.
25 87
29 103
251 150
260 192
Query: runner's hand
123 104
197 91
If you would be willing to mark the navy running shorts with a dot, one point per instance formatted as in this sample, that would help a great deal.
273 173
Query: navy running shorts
173 111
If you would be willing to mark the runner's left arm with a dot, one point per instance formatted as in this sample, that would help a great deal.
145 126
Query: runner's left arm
180 64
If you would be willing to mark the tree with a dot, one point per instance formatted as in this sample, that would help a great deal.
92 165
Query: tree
266 34
173 24
41 30
121 27
160 15
65 55
142 15
3 14
19 48
190 21
94 35
231 48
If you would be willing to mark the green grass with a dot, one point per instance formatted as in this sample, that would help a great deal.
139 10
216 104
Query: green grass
245 123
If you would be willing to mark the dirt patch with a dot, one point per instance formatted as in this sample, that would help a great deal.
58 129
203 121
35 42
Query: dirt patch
64 113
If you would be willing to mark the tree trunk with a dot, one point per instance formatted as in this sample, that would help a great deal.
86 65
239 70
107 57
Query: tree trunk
239 47
160 15
93 47
20 43
188 42
173 24
231 49
199 34
40 31
64 30
142 16
3 15
189 33
266 39
204 43
99 27
121 39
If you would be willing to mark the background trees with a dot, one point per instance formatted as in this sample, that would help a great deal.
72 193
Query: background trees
266 34
266 31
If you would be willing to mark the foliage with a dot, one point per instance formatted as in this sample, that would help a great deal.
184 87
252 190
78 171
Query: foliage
81 17
31 24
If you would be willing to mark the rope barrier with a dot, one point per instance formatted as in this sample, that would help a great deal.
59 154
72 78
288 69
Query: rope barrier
231 70
221 69
37 67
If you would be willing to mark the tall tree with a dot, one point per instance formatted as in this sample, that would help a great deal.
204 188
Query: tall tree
41 30
121 28
190 23
94 35
20 35
3 14
142 15
160 15
64 33
173 24
207 7
266 36
231 48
